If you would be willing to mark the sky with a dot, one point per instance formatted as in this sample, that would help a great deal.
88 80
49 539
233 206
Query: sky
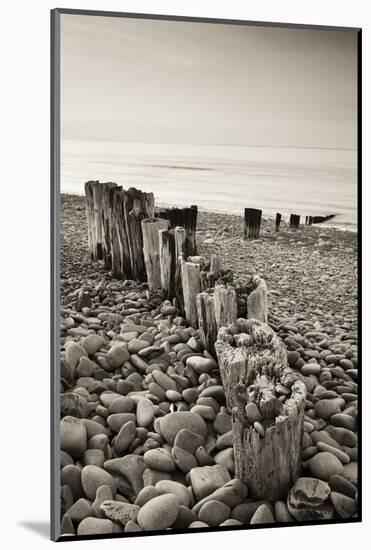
132 80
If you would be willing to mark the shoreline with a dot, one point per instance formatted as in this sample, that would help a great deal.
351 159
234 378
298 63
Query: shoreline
324 225
311 270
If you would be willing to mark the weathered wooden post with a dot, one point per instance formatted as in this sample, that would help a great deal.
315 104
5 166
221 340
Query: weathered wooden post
137 206
179 237
310 220
97 198
187 218
93 194
120 248
225 305
191 284
89 206
267 401
167 262
106 224
294 221
257 301
278 221
252 223
151 249
206 320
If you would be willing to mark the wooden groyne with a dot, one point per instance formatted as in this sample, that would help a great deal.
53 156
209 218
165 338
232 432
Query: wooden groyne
264 395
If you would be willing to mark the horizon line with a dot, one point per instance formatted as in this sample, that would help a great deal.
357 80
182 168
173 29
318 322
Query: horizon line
218 144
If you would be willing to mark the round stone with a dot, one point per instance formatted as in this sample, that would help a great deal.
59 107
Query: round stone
344 506
145 412
252 413
73 353
201 364
92 343
117 355
93 477
95 526
323 465
159 512
307 500
159 459
263 515
171 424
214 513
326 407
125 437
180 491
73 436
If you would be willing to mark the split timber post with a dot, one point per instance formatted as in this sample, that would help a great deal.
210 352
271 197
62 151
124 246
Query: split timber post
167 262
151 249
310 220
93 192
257 302
179 238
252 223
191 284
137 207
207 320
187 218
278 221
106 224
225 305
267 401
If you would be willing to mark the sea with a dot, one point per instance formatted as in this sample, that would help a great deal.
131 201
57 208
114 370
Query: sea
223 178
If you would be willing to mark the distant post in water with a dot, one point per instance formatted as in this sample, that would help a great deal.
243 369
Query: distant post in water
253 218
294 221
278 221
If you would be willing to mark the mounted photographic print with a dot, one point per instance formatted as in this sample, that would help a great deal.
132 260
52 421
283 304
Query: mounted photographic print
206 208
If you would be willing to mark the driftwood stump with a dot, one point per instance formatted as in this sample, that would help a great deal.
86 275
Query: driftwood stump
267 402
151 249
253 218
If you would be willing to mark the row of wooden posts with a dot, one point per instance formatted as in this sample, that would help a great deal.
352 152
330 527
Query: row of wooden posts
115 229
253 216
231 317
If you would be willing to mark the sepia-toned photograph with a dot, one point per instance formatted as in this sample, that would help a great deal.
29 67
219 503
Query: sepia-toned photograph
206 209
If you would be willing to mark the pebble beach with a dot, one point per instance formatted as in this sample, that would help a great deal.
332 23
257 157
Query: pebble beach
146 436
